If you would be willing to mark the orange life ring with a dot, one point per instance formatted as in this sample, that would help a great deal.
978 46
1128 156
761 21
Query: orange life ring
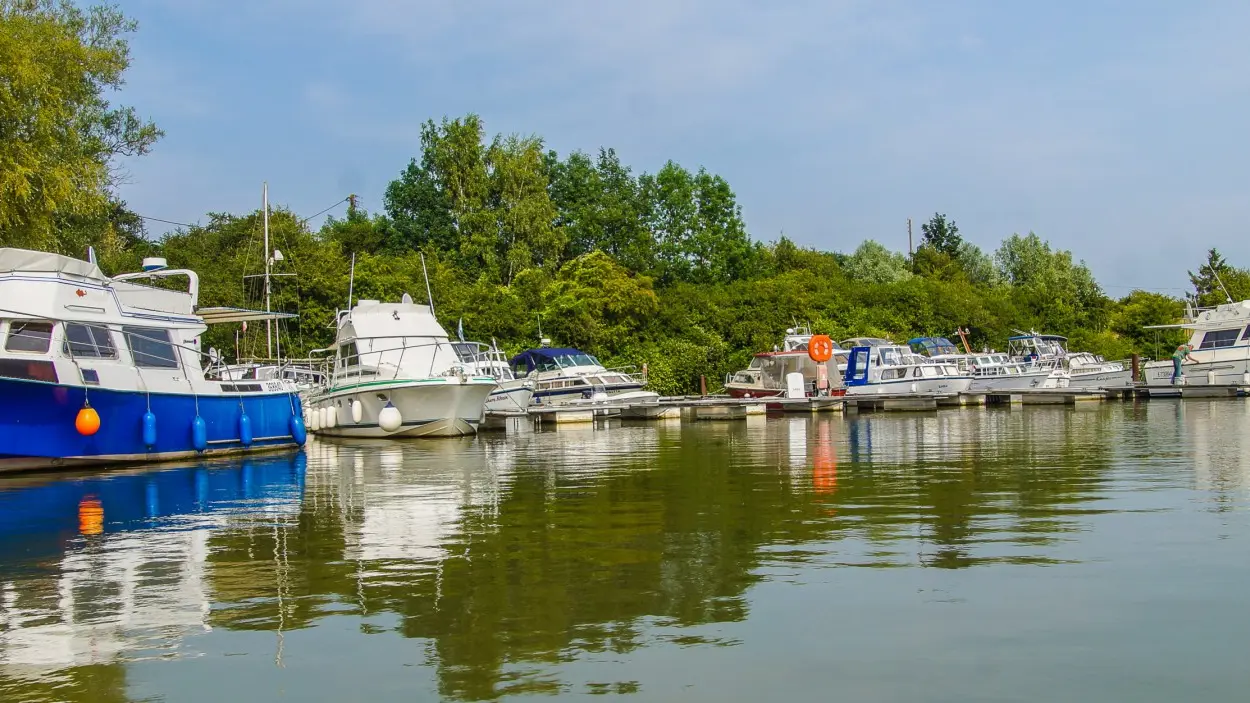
820 348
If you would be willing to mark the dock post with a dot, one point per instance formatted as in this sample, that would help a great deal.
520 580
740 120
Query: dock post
1136 367
702 385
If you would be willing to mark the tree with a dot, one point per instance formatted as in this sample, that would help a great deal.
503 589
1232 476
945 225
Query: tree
521 207
873 263
942 235
59 135
596 304
1208 291
697 224
1056 292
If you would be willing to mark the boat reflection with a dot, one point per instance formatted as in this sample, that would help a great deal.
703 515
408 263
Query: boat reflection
94 567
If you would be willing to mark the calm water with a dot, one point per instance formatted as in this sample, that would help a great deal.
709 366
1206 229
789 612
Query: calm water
1095 554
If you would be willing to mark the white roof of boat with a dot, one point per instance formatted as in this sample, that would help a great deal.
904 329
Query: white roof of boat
27 261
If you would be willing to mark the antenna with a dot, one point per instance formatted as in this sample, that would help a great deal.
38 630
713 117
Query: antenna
428 295
351 282
1217 280
268 263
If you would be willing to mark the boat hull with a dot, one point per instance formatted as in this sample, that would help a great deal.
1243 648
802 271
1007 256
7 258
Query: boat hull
623 393
911 386
37 425
428 408
1015 382
510 397
1227 372
1099 380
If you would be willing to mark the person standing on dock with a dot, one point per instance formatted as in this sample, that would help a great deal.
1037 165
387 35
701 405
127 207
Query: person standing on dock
1178 359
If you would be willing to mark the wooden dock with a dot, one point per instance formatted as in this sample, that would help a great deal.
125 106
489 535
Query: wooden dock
725 408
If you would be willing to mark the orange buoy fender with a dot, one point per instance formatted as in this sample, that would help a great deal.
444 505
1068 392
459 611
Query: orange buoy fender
88 421
820 348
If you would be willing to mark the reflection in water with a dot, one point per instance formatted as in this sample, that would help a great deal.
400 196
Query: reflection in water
517 560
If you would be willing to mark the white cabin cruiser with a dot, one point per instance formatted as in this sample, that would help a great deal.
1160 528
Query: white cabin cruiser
896 370
566 376
511 394
396 374
1086 371
1220 344
765 377
995 372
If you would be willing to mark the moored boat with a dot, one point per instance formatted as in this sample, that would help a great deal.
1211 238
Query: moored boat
1086 371
896 370
396 374
98 370
567 376
511 394
766 375
1219 348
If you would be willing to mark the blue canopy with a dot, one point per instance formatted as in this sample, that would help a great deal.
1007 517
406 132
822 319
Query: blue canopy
550 357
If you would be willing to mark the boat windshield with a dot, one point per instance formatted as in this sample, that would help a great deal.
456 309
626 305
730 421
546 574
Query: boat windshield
933 346
564 361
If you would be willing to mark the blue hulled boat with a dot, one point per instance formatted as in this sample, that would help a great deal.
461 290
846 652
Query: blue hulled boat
97 370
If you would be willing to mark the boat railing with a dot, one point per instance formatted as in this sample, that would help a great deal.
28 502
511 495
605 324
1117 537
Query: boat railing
349 368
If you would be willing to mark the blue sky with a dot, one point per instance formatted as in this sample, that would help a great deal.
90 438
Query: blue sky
1114 128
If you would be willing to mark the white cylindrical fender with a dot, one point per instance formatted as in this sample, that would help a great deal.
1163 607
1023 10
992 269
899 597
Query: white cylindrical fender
314 420
333 419
389 418
358 411
1210 378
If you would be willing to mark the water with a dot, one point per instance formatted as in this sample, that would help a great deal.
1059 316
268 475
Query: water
1092 554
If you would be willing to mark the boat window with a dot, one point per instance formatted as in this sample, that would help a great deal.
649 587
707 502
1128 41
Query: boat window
891 374
151 347
890 356
348 354
28 336
88 341
1220 338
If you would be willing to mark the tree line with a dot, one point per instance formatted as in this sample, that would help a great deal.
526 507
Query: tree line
521 242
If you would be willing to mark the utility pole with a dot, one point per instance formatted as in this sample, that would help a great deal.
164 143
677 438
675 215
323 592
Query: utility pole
268 262
910 251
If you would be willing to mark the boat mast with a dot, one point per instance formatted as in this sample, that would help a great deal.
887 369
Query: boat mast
268 322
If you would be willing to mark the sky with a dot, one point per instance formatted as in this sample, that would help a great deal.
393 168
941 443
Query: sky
1116 129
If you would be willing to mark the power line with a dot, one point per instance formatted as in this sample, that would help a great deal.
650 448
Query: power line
168 222
306 219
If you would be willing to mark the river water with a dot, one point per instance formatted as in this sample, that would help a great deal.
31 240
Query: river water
1088 554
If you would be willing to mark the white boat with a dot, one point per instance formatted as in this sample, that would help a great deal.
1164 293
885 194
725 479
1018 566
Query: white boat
1220 338
996 372
765 377
1086 371
895 370
511 394
99 370
396 374
566 376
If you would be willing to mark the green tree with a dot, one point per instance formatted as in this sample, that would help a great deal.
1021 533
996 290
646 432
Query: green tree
1055 292
1215 271
942 235
521 207
873 263
596 304
59 135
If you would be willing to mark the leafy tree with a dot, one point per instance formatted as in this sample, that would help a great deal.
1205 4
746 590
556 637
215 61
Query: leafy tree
942 235
521 207
1214 271
873 263
1053 291
59 135
596 304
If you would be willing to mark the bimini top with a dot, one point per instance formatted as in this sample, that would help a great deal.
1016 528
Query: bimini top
27 261
932 346
551 358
